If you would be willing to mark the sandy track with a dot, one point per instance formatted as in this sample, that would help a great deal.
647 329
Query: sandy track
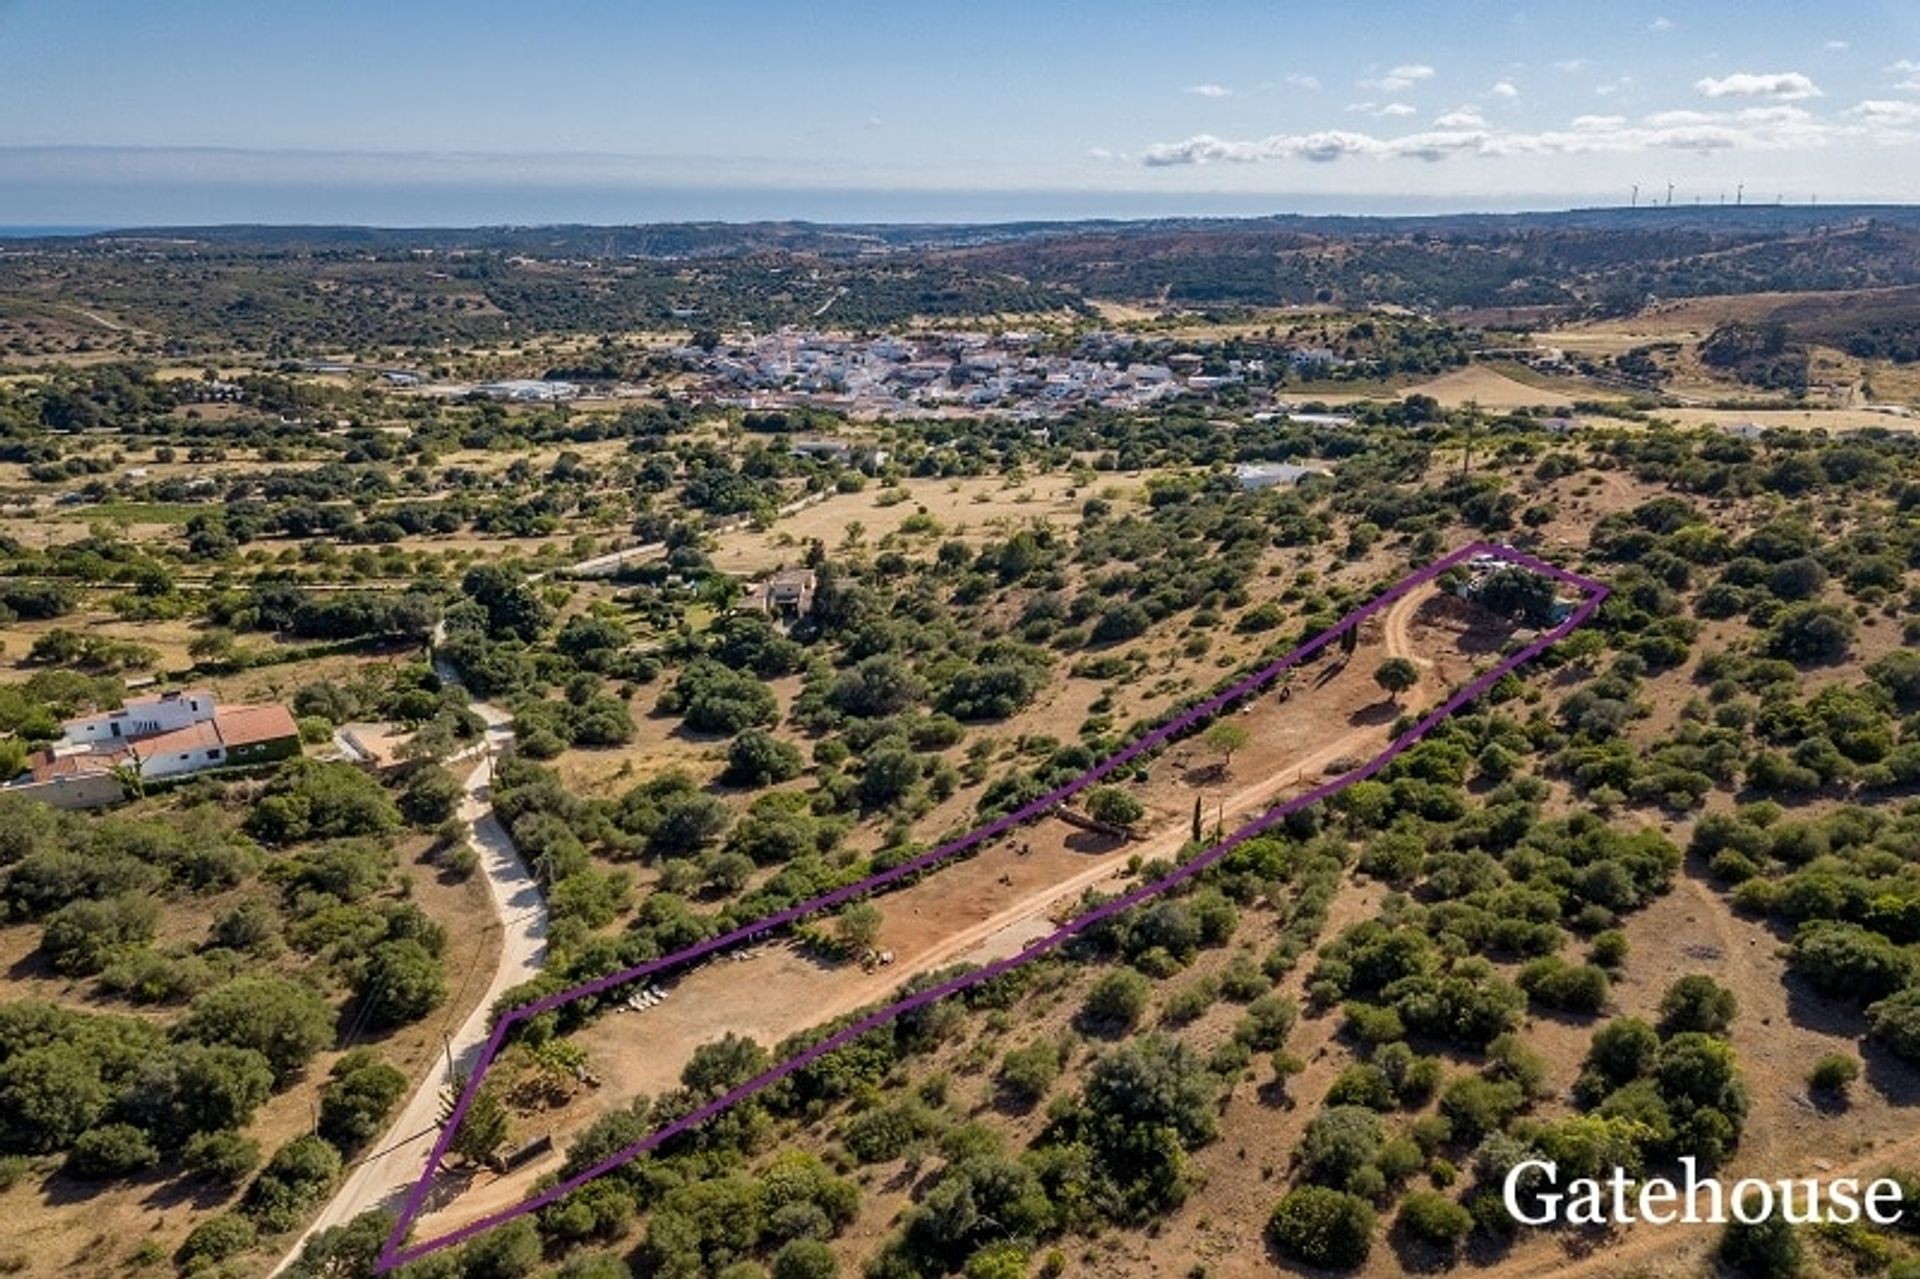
400 1153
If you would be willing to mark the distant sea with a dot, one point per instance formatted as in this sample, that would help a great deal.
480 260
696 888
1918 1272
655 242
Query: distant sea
54 208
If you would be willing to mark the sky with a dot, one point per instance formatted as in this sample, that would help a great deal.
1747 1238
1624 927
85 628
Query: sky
461 112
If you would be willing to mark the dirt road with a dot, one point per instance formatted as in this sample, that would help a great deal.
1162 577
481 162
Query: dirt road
521 912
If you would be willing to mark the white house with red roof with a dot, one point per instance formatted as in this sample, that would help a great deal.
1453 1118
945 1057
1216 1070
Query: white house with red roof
171 735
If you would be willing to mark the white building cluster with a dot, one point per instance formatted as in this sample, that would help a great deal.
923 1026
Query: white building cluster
954 373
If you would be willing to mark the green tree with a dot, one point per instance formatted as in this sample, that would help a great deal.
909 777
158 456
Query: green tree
1396 675
1697 1002
892 768
858 925
758 758
402 981
483 1128
1112 805
361 1092
805 1259
1224 737
1434 1218
1117 1000
284 1021
722 1064
432 795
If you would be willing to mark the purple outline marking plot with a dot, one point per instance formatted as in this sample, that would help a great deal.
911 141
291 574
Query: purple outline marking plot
394 1253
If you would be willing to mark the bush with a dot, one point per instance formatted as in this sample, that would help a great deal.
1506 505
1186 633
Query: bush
224 1158
1434 1218
1322 1227
111 1150
805 1259
1697 1003
294 1181
432 795
1768 1249
1115 806
1834 1073
360 1094
1026 1073
1117 1000
758 758
1339 1142
283 1020
214 1240
402 981
1895 1021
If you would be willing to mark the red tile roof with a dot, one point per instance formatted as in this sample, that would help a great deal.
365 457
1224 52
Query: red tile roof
251 725
46 765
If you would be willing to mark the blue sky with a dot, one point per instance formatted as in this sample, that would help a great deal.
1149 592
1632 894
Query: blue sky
436 110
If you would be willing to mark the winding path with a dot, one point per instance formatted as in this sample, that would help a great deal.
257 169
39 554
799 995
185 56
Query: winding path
521 913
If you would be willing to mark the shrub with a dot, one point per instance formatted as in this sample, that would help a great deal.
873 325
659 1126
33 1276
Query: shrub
283 1020
360 1093
1697 1002
214 1240
1434 1218
111 1150
1117 1000
1113 805
1026 1073
402 981
1322 1227
294 1181
1767 1249
1895 1021
1834 1073
758 758
225 1158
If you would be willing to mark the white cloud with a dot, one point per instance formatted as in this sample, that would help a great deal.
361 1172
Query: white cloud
1301 80
1611 87
1381 110
1660 24
1571 64
1106 156
1461 118
1401 77
1836 46
1504 89
1909 72
1887 111
1781 86
1760 128
1208 91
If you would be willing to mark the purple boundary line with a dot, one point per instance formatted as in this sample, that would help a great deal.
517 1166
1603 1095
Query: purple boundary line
393 1254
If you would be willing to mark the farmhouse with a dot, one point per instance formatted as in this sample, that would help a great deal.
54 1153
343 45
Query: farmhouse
787 593
171 735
